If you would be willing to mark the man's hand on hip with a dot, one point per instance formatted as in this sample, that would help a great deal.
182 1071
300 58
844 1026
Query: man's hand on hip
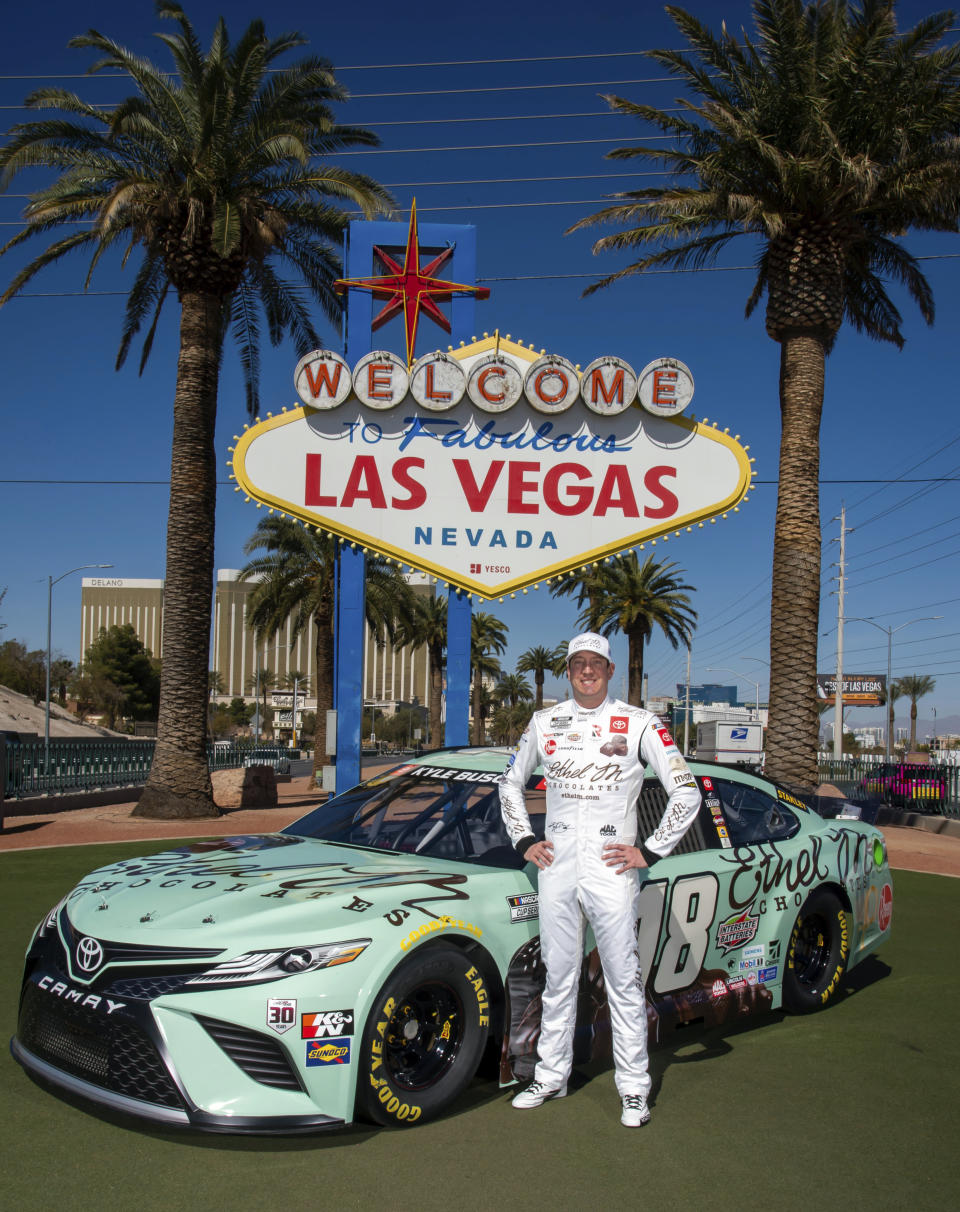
624 858
540 853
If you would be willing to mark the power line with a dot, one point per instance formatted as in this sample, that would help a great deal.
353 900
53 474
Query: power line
910 567
453 92
905 538
367 67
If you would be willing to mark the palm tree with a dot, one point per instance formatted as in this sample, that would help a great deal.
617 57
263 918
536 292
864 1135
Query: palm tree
915 686
295 580
893 693
513 694
513 689
488 636
209 169
540 661
426 626
634 598
484 708
824 138
509 722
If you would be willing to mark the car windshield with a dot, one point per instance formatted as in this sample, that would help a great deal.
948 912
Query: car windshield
443 813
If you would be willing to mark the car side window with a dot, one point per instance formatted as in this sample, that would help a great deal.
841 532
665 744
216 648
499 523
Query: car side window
701 835
752 815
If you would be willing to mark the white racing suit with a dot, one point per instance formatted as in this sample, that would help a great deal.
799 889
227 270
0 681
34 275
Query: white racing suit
594 763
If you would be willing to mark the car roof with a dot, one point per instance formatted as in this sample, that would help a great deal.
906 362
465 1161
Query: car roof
495 757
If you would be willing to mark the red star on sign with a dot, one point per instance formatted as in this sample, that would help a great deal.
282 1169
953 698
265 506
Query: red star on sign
411 287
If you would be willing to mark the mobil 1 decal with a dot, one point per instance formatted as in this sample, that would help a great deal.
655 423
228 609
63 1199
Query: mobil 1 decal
673 928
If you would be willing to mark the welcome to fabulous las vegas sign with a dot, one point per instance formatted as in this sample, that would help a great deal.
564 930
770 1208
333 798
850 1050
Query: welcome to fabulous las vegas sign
493 466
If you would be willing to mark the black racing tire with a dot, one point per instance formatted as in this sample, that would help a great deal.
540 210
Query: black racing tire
424 1037
817 953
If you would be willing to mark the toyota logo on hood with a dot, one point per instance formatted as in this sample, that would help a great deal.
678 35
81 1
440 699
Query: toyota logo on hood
89 954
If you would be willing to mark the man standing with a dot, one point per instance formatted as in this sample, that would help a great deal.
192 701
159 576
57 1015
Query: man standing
594 750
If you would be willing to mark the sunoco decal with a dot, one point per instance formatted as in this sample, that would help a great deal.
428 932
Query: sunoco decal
330 1052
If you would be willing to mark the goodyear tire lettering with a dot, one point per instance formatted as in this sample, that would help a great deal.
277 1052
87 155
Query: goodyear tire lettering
817 953
402 1049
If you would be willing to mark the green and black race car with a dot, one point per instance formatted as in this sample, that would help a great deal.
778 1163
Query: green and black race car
365 960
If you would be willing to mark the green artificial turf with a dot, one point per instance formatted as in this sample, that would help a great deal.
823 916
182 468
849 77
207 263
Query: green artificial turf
855 1107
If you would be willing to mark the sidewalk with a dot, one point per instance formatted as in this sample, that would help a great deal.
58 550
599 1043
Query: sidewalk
113 822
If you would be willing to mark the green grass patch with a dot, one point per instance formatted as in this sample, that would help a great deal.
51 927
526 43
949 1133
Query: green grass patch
855 1107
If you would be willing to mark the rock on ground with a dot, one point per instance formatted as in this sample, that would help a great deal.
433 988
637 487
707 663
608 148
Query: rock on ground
254 787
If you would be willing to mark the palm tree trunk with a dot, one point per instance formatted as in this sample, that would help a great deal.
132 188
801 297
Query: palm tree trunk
913 725
436 693
477 738
791 747
635 642
179 784
538 682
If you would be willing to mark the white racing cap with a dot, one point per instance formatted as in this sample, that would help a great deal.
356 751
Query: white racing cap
589 641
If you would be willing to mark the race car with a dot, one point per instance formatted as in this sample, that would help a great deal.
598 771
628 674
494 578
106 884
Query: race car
365 961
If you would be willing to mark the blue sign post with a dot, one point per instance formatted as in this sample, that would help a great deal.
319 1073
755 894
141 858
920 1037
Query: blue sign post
436 240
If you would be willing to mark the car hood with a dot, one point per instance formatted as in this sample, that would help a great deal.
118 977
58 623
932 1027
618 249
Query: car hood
260 885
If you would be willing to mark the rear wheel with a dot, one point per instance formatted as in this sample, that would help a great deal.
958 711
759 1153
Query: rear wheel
424 1037
817 954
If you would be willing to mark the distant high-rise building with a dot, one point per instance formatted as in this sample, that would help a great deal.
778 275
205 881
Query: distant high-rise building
391 675
708 692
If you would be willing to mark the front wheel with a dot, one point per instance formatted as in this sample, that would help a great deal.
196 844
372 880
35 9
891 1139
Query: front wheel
817 953
424 1037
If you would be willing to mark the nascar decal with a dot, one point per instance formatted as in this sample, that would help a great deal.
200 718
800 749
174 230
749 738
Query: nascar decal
281 1014
329 1052
526 905
326 1024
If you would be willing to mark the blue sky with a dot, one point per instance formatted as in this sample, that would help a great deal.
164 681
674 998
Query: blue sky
514 145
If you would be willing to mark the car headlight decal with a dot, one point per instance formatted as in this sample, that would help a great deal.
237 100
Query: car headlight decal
256 966
49 922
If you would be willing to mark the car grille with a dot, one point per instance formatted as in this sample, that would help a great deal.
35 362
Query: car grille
145 988
114 1055
258 1056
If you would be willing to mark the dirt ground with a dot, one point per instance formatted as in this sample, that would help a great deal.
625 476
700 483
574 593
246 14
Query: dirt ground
910 849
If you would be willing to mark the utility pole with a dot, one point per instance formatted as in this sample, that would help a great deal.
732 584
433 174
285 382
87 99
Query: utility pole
838 701
686 712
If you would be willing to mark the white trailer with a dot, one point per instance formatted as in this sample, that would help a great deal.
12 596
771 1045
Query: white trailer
729 741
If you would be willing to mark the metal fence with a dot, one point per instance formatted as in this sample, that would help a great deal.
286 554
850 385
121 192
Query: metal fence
933 788
82 765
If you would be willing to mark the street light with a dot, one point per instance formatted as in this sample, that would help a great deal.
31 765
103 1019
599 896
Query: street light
51 581
721 669
890 632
